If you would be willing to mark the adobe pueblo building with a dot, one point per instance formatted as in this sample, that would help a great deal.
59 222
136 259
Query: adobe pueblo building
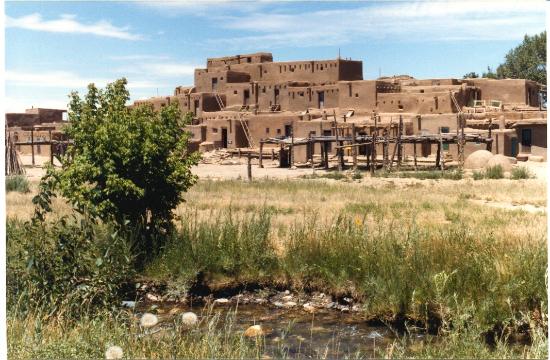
249 101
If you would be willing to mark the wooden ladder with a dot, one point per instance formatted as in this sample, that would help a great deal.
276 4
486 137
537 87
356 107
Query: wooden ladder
244 125
455 102
219 101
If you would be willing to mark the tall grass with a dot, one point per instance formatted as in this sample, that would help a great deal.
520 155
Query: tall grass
17 183
396 268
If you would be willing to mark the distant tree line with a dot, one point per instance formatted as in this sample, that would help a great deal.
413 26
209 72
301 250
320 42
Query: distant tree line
526 61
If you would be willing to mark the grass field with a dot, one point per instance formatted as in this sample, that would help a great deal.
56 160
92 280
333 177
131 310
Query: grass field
425 249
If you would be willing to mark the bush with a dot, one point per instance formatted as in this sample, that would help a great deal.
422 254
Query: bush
521 172
17 183
357 175
68 267
494 172
126 164
478 175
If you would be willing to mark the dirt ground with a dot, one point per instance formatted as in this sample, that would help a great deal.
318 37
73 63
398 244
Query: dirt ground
238 170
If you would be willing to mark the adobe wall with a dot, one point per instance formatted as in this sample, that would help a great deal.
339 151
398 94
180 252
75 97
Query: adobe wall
239 59
538 139
510 91
357 94
22 119
216 81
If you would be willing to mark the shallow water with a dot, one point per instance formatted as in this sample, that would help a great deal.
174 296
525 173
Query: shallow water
297 333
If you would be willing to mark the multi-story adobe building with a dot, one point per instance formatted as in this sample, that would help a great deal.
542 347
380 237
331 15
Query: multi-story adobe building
239 100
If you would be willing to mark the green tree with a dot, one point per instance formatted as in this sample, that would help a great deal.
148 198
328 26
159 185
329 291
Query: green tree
490 74
526 61
470 75
129 165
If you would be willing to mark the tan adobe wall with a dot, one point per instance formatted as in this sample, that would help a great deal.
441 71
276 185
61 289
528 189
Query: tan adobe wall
22 119
216 81
538 139
239 59
510 91
357 94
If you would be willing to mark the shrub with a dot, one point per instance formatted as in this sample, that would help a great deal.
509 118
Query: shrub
17 183
521 172
126 164
478 175
68 268
494 172
357 175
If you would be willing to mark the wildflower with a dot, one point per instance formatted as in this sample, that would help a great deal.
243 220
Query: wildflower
148 320
114 352
189 319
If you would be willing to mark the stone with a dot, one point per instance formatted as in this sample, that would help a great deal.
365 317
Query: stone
254 331
309 308
289 304
114 352
221 301
175 311
278 304
152 297
536 158
478 159
501 160
287 298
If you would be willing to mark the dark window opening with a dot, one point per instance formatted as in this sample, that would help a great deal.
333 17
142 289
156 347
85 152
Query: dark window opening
356 94
214 84
267 130
248 60
278 131
526 137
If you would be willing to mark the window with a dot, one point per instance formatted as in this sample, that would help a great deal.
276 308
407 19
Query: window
235 92
267 130
301 93
356 94
214 130
263 89
248 60
278 131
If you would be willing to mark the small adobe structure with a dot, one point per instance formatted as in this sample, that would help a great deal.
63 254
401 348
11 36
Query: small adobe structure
250 101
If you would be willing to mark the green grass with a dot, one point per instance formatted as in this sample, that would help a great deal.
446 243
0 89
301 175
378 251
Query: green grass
456 174
494 172
17 183
425 253
521 172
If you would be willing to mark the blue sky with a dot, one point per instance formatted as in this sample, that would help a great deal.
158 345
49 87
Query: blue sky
55 47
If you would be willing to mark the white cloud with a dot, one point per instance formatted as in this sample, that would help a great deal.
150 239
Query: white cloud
138 57
67 23
68 80
202 7
417 21
20 104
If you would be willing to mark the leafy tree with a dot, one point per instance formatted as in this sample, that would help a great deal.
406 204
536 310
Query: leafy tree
470 75
129 165
526 61
490 74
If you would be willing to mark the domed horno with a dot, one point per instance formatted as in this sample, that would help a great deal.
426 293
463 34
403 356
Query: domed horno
478 159
501 160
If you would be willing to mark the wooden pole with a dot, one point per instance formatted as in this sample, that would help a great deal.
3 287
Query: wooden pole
415 164
51 147
32 146
261 155
325 152
399 145
249 166
438 155
341 156
292 145
354 149
374 134
338 150
272 154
